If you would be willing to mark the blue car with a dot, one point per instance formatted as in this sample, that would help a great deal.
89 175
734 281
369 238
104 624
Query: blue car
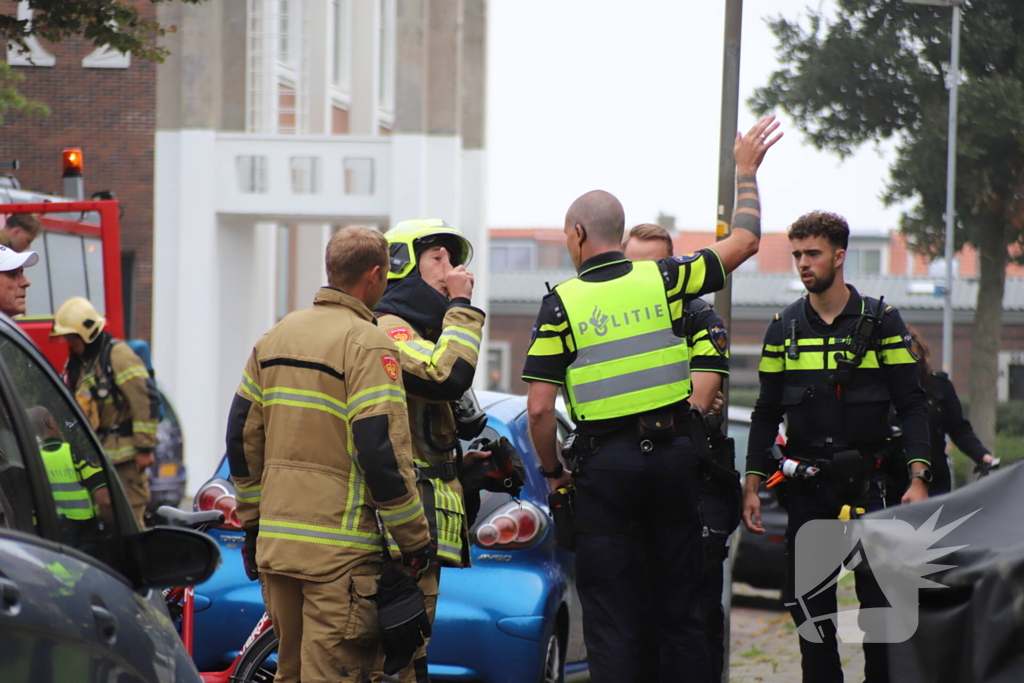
512 617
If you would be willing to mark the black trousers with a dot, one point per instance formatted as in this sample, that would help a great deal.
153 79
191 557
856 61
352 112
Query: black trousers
817 499
626 582
715 515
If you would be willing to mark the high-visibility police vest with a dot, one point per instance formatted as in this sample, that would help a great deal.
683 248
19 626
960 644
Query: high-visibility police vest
809 362
71 497
628 359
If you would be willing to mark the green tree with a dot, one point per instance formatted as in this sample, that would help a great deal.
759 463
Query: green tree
13 101
102 22
879 69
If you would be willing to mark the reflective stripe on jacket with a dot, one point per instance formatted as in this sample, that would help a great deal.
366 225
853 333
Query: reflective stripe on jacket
319 446
808 367
66 476
129 407
436 373
628 359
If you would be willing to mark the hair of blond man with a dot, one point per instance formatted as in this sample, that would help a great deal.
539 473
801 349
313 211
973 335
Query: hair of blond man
353 251
650 232
26 222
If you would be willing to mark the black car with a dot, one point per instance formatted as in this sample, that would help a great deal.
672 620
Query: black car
76 574
760 558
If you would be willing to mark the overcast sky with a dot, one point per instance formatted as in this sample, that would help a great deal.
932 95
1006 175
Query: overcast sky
626 97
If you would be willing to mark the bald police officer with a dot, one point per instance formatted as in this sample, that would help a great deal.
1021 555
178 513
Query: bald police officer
612 338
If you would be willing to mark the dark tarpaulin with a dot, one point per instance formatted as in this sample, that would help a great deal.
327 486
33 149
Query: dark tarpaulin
972 631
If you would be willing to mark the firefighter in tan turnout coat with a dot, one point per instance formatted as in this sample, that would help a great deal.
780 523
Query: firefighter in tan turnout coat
116 392
427 312
319 449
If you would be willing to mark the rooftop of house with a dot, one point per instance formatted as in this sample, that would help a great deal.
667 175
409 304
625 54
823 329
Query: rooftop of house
906 292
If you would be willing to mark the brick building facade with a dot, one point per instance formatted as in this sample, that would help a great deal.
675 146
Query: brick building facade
110 113
523 260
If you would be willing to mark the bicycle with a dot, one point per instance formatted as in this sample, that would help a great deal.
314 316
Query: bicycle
256 662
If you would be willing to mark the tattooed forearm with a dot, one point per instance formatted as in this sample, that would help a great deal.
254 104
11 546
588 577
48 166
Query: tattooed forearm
748 205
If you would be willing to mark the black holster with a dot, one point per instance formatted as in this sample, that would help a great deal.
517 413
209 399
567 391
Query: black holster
576 448
560 504
719 465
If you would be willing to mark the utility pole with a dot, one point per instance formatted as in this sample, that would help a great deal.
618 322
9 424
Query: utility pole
726 203
726 163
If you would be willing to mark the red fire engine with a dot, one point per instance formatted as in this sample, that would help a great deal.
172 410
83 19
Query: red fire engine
79 255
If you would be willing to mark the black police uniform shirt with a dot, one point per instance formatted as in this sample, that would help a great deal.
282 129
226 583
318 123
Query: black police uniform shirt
831 409
549 357
707 337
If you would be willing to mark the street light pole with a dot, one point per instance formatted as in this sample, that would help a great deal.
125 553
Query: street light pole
954 83
947 310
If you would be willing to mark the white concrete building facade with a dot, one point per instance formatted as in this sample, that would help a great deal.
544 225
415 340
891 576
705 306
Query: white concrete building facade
279 121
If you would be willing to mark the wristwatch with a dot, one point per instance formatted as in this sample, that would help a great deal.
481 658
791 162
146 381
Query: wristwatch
924 475
553 474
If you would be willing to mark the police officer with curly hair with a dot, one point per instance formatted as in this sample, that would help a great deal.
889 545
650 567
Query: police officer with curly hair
833 363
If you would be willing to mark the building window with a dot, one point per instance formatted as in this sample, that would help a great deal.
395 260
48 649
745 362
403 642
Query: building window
386 65
511 257
339 120
499 360
305 175
937 268
285 27
863 262
358 174
1016 380
285 272
286 108
252 174
128 292
339 44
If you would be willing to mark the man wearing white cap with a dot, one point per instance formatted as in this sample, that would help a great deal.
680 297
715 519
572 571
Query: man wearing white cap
13 281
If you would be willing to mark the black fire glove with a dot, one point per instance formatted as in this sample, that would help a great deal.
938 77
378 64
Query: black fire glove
419 561
249 552
403 618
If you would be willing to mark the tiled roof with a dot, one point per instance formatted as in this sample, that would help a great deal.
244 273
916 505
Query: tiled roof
779 289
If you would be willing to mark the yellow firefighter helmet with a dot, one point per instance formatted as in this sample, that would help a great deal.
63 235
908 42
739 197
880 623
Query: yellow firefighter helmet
407 239
78 316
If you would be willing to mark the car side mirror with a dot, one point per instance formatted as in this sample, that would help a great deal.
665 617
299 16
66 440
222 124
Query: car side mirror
166 556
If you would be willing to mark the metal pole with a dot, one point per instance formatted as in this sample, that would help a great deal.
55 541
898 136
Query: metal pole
947 309
727 137
726 203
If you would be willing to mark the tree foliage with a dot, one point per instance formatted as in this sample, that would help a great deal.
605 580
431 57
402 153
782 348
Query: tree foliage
880 68
13 101
102 22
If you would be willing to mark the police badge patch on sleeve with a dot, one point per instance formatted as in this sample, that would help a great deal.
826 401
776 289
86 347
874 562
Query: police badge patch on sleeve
719 337
909 341
685 258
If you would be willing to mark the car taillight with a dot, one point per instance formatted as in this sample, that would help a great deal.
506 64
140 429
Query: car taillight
219 494
516 524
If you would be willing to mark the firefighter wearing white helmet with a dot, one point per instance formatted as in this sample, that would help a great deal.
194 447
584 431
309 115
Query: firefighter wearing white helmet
116 392
427 310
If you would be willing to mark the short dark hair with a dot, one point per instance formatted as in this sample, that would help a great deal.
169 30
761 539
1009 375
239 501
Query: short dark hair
26 222
650 232
831 226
